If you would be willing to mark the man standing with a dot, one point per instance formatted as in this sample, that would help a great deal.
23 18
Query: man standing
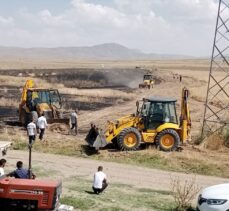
2 165
42 125
74 121
20 172
100 181
31 131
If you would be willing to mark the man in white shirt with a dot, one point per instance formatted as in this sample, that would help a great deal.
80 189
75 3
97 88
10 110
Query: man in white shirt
31 131
42 124
74 121
100 181
2 165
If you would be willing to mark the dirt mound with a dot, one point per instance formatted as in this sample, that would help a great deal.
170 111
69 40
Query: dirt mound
59 128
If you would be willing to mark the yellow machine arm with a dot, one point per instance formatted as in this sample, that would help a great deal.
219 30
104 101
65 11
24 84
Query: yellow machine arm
98 138
28 84
114 129
185 119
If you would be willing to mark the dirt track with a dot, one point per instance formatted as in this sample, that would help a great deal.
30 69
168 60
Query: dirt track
169 87
65 167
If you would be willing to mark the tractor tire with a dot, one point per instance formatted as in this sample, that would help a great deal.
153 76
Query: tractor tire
129 139
168 140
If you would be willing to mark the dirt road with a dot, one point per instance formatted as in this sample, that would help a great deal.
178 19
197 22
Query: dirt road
65 167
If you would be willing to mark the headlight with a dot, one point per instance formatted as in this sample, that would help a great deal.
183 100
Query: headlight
216 201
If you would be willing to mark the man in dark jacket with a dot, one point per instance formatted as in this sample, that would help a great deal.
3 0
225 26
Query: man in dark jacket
20 172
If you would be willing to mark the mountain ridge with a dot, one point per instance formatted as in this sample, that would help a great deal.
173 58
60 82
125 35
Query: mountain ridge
100 51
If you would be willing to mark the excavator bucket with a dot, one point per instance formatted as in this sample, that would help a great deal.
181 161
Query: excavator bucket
100 141
95 138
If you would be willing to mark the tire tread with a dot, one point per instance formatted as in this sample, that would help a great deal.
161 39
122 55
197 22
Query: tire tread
123 133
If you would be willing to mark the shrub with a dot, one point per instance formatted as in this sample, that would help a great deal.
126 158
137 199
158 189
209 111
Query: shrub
184 192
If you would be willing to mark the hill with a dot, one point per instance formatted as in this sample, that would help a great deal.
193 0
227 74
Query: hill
103 51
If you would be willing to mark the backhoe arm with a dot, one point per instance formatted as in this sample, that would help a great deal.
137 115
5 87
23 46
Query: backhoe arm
185 119
28 84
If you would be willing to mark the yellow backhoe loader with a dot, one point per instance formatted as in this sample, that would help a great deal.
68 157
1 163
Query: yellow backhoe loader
148 81
35 101
155 121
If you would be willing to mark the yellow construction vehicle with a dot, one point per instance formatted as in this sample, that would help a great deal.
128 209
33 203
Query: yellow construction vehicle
148 81
35 101
155 121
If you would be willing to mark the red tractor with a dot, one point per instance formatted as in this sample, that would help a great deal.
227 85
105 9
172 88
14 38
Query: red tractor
28 194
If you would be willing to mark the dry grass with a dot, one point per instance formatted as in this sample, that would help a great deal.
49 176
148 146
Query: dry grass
198 93
109 93
53 144
18 63
132 198
214 142
8 102
12 81
17 81
189 161
184 192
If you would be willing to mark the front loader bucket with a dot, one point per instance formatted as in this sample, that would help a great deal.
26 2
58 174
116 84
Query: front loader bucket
100 141
95 139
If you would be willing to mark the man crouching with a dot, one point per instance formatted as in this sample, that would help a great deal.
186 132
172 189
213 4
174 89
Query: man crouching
100 181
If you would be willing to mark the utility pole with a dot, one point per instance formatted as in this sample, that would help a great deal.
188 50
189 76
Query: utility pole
30 161
216 113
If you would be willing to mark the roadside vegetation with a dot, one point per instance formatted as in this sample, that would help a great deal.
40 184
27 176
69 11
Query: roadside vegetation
211 161
118 197
174 161
184 192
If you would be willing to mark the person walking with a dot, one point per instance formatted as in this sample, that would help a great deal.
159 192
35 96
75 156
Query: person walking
74 121
20 172
2 165
31 131
42 125
100 181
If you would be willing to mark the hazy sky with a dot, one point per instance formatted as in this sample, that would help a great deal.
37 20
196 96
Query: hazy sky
156 26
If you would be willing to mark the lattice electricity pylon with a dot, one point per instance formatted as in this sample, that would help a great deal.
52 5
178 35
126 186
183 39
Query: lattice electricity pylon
216 114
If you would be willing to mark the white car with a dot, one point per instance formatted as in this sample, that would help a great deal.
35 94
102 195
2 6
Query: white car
214 198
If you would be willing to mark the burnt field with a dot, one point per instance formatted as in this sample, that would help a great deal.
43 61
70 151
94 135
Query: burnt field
83 78
84 89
